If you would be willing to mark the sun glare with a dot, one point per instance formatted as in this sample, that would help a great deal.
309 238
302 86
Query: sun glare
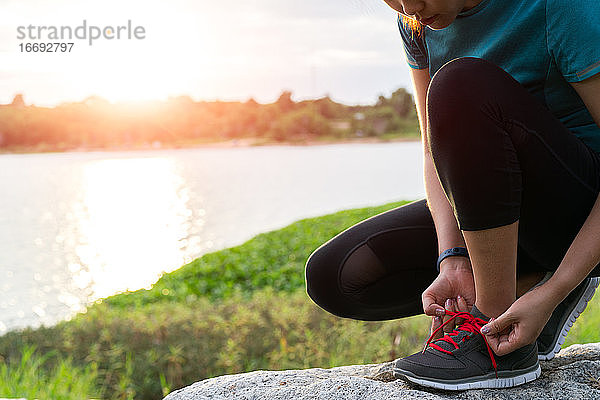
133 221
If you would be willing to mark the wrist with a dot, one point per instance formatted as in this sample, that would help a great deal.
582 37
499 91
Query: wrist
558 288
547 295
456 264
454 252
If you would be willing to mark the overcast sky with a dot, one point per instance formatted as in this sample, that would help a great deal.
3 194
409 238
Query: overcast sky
229 50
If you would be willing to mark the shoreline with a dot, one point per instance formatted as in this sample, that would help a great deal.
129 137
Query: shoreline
233 143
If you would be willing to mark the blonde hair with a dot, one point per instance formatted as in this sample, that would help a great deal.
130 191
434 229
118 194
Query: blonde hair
414 25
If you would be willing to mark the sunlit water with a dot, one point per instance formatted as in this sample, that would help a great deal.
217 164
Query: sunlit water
76 227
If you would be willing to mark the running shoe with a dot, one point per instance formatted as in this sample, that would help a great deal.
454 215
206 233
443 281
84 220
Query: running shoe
462 359
557 328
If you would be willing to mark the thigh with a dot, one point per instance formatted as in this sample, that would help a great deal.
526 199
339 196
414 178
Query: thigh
560 178
377 269
561 181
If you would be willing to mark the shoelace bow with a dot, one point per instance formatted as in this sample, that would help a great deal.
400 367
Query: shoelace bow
471 324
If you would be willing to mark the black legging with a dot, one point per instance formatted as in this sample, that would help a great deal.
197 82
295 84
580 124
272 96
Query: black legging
501 156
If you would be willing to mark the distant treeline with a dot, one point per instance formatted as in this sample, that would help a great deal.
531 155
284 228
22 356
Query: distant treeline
96 123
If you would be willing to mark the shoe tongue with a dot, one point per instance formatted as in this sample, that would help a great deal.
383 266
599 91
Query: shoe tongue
478 314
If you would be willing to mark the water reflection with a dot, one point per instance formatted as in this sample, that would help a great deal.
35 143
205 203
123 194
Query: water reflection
133 223
78 226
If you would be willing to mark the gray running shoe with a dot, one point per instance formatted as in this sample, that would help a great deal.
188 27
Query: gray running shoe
463 360
555 332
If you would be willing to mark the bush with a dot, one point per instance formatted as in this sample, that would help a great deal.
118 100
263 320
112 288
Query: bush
34 376
300 125
189 342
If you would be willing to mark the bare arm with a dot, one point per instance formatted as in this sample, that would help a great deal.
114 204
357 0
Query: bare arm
455 282
448 233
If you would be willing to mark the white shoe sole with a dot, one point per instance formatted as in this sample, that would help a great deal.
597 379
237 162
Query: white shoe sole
494 383
579 308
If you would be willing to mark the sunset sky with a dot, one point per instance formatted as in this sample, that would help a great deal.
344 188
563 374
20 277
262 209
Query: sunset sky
223 49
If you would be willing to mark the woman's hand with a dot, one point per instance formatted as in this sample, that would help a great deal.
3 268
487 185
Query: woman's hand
453 290
522 323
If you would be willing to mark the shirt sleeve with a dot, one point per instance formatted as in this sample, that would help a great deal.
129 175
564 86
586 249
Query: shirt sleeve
414 46
573 31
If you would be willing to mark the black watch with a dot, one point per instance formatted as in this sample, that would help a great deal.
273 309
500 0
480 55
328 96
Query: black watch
455 251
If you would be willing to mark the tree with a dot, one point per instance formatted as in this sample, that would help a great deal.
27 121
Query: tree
301 124
402 102
285 101
329 108
18 101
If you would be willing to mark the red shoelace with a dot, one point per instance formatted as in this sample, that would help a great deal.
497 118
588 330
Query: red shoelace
471 324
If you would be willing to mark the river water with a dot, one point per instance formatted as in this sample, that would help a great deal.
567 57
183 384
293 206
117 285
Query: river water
76 227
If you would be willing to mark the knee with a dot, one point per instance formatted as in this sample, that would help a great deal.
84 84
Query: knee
461 91
330 282
320 276
459 88
464 77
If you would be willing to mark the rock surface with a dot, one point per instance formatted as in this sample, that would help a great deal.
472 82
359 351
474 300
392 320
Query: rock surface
573 374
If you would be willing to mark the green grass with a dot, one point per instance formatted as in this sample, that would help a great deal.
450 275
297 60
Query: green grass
587 327
189 342
235 310
35 376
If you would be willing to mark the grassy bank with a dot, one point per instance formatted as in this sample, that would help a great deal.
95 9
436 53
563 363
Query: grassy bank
33 376
234 310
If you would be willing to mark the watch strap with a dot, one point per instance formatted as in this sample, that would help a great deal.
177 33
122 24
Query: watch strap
454 251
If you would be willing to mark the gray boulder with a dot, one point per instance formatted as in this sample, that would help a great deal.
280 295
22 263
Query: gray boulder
573 374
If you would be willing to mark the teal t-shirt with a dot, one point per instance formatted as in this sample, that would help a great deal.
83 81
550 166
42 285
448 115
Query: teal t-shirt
543 44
